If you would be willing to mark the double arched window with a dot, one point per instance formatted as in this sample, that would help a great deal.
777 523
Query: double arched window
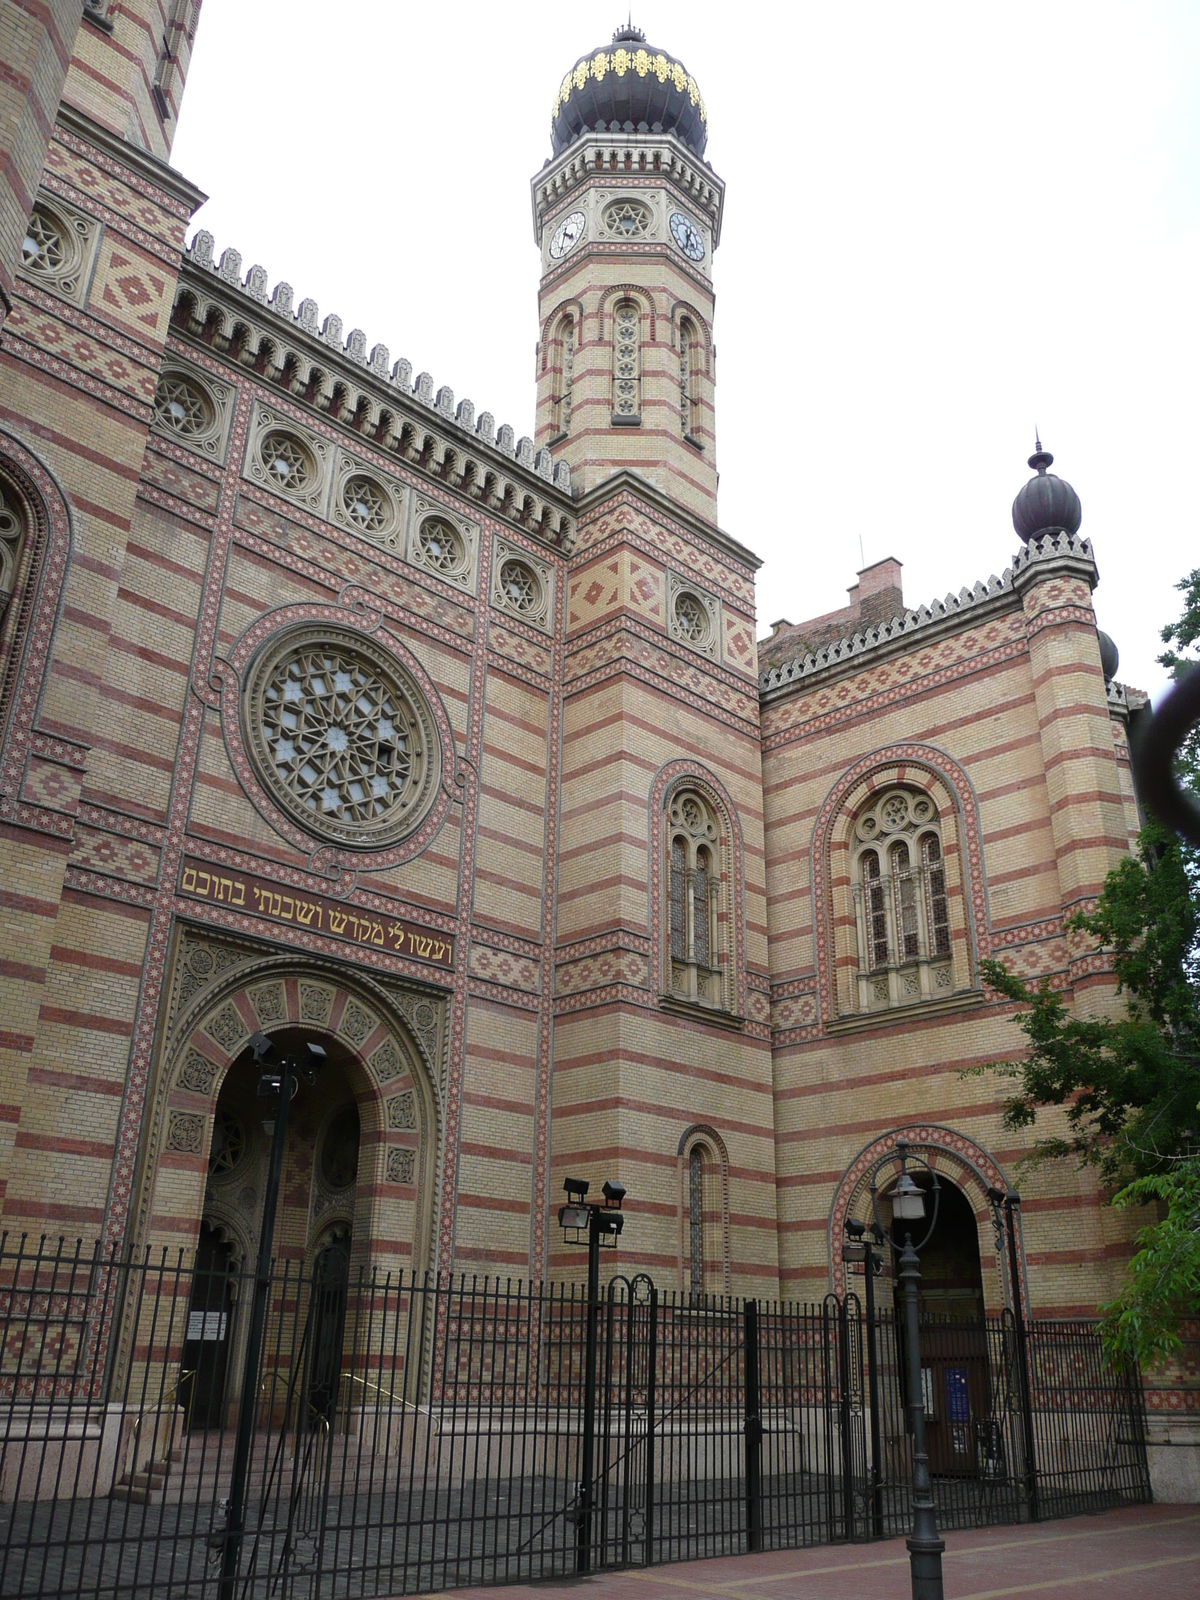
694 882
627 361
901 906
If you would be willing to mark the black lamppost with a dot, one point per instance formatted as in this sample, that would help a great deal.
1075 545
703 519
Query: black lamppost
864 1244
595 1223
908 1209
278 1081
1005 1203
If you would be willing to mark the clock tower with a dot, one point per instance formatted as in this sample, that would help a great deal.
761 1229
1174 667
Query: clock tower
627 214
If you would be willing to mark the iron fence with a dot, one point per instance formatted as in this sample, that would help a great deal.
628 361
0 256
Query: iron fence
416 1435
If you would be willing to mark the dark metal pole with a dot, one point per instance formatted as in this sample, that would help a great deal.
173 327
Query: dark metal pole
234 1525
924 1546
583 1548
1011 1201
651 1380
752 1427
873 1394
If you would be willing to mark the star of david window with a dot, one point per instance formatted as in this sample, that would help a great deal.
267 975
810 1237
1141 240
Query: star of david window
441 546
628 218
228 1144
342 737
182 406
44 249
519 586
366 504
691 618
286 462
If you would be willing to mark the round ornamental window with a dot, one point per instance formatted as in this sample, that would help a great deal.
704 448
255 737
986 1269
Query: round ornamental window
286 462
628 217
519 586
44 249
228 1144
691 618
440 545
341 736
366 504
182 406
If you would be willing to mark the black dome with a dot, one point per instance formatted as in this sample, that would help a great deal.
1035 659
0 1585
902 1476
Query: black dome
1110 656
1047 503
631 88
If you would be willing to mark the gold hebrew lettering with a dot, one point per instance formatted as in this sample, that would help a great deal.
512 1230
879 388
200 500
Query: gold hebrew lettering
203 886
337 922
224 884
377 933
289 907
189 888
304 911
241 890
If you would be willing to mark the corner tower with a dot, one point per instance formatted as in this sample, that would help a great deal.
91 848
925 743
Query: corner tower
627 215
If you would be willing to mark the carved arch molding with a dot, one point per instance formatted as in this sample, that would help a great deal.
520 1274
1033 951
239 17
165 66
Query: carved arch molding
952 1155
394 1037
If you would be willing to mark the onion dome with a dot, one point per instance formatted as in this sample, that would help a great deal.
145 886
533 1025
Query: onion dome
1047 503
1110 656
630 88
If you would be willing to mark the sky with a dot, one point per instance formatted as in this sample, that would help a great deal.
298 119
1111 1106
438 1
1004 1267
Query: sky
944 224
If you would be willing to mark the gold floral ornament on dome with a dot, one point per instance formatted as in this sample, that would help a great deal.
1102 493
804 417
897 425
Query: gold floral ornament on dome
622 61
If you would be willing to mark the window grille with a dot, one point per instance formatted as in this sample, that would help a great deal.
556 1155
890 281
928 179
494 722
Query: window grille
696 1221
877 931
627 384
937 910
907 939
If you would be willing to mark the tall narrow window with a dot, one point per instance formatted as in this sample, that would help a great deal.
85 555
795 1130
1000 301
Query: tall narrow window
696 1221
907 940
696 964
876 910
678 900
566 355
937 912
687 338
627 380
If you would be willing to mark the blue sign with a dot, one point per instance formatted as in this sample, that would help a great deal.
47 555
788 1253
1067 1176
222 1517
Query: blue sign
958 1405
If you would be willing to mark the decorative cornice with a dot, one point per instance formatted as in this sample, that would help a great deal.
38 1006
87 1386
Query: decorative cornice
308 357
603 156
146 166
1037 560
661 508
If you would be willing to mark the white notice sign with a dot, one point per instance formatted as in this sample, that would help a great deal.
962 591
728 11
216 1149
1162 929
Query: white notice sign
206 1325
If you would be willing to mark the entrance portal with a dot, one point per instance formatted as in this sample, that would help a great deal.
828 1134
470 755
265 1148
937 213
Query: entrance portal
209 1333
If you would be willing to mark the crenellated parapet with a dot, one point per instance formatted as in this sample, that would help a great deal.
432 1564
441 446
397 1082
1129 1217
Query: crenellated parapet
309 357
1052 554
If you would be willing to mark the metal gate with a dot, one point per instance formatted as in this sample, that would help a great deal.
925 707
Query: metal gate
446 1444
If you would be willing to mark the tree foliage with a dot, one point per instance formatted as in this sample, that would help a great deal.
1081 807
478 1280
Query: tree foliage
1163 1287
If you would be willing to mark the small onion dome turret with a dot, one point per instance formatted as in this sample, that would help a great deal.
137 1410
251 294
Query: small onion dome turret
630 88
1047 503
1110 656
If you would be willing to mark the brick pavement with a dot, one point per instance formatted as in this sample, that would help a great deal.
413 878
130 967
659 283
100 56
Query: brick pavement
1119 1555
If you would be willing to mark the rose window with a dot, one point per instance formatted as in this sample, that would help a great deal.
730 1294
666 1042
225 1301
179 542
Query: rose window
629 218
342 738
440 546
366 504
286 463
44 249
519 586
228 1144
181 406
691 619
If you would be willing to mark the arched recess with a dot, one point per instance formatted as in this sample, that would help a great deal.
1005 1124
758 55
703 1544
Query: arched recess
915 767
616 292
393 1086
703 1142
572 308
28 623
668 781
684 311
955 1157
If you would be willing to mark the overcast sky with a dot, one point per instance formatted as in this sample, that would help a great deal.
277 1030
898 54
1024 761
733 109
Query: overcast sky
944 223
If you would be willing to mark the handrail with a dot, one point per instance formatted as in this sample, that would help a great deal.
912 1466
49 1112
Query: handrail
392 1397
169 1396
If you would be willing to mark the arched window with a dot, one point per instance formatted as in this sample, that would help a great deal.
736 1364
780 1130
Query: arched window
627 360
902 912
12 538
698 971
687 392
695 1220
566 357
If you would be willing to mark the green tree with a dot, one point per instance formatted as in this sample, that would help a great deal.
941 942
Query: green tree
1163 1286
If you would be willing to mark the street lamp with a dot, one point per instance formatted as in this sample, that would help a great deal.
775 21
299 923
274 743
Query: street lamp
1005 1202
277 1083
598 1224
909 1208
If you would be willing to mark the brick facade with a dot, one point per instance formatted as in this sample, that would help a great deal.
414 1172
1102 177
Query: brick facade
510 990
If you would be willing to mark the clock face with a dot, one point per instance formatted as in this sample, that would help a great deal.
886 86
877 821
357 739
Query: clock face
568 233
687 236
